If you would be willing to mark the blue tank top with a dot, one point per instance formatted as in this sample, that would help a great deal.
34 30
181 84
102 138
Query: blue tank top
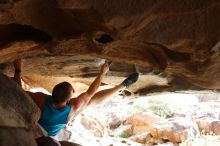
53 119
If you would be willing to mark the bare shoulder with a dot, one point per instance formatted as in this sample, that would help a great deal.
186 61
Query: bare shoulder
75 102
38 98
78 101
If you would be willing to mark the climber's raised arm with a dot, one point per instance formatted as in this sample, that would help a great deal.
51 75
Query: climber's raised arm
37 97
83 99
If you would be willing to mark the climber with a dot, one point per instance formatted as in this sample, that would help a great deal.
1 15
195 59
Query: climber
60 108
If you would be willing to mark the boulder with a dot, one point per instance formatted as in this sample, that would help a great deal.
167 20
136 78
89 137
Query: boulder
115 124
174 129
64 135
215 127
94 125
207 116
154 141
168 144
210 126
141 121
16 137
18 115
141 138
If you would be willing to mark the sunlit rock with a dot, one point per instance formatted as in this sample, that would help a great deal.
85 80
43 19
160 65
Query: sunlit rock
94 125
141 121
174 129
141 138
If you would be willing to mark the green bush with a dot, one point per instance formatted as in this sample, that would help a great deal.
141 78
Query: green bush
124 134
159 107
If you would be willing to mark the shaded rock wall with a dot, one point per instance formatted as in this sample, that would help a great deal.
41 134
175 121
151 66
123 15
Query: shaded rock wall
18 115
179 37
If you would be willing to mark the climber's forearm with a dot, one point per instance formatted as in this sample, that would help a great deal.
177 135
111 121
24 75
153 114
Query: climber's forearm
17 78
17 73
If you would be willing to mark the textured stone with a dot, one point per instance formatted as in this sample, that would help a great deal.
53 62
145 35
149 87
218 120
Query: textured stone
168 144
20 108
141 121
174 129
94 125
153 141
16 137
18 115
210 126
141 138
115 124
179 38
216 127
